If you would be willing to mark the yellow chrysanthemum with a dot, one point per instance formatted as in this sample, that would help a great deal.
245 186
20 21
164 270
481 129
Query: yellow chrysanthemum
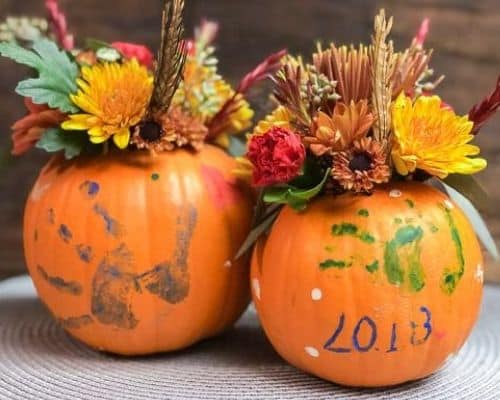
280 118
114 97
432 138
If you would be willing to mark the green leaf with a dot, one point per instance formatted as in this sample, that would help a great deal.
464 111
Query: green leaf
95 44
470 188
475 218
57 74
55 139
297 198
257 232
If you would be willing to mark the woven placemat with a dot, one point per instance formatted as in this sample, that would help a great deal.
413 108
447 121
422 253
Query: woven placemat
39 361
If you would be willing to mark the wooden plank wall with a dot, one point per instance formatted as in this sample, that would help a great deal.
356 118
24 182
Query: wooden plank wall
465 35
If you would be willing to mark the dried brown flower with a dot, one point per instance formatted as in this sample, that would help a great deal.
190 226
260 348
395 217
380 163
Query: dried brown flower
361 167
338 132
411 71
349 67
288 91
170 131
382 59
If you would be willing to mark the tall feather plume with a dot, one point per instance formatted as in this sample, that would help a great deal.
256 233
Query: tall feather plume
382 60
171 57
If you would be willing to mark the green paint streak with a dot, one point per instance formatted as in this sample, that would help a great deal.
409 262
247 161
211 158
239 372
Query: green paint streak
363 213
451 277
346 228
155 176
393 270
434 228
340 264
410 203
366 237
373 267
398 220
408 234
405 248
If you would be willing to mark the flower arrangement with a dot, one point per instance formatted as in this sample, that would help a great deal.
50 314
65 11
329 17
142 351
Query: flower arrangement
356 118
86 99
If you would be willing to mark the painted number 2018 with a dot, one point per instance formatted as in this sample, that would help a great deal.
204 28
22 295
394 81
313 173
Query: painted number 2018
367 345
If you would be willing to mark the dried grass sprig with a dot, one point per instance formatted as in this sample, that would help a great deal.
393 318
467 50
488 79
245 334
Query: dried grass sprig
59 25
171 57
349 67
383 61
484 110
264 70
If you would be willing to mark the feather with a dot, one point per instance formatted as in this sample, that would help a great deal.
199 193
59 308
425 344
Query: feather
171 57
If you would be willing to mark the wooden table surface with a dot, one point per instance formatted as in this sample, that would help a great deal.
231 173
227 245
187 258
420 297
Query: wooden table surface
464 34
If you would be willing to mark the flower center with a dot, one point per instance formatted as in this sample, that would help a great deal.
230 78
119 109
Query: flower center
150 131
360 162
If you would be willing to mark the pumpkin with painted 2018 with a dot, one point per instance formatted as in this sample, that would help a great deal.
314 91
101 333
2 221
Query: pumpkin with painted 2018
133 253
369 290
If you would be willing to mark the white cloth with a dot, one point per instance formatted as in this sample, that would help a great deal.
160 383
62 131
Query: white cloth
39 361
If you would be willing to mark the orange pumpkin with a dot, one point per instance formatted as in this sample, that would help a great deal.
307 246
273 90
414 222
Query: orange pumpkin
369 290
133 253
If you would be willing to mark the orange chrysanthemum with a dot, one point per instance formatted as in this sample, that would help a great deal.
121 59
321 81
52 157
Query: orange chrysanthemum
28 130
338 132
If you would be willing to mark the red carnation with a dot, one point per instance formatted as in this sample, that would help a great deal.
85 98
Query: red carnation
130 50
277 156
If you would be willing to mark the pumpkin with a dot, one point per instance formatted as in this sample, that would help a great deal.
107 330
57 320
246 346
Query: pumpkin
369 290
133 253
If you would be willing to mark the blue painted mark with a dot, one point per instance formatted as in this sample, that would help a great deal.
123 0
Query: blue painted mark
426 325
373 337
90 188
392 347
51 216
111 225
65 233
329 343
84 252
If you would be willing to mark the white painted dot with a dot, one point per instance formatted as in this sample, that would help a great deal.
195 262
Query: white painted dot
449 205
312 351
316 294
256 288
479 273
228 264
395 193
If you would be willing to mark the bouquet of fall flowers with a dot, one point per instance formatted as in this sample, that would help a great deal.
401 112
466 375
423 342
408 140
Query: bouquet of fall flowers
87 98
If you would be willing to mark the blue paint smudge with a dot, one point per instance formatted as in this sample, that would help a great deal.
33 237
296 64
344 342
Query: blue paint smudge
111 225
90 188
65 233
84 252
51 216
